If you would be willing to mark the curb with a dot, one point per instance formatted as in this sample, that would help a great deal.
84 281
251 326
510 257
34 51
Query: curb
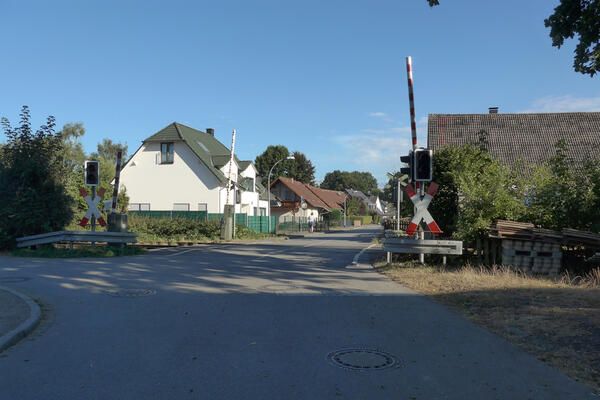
26 326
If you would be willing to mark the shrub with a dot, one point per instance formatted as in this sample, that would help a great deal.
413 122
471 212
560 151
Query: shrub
474 191
175 228
33 194
334 215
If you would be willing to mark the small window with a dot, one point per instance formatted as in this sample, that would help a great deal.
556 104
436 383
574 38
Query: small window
181 206
166 153
138 207
202 207
263 212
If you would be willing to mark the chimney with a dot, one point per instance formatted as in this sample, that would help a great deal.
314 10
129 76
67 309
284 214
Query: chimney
210 131
493 110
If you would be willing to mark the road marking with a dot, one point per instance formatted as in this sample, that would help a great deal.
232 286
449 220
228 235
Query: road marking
181 252
360 253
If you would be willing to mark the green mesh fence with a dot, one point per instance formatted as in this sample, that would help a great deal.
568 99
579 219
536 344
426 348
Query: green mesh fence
262 224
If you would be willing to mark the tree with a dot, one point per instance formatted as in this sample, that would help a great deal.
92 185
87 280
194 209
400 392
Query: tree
268 158
108 150
74 156
562 197
302 169
106 154
342 180
571 18
33 175
355 207
581 18
474 190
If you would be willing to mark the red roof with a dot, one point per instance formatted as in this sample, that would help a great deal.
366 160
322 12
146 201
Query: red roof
333 198
314 196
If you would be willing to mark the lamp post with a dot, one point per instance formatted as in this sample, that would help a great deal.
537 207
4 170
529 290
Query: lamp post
269 182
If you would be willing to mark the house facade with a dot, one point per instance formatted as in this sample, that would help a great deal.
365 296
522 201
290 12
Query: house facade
183 169
294 199
368 204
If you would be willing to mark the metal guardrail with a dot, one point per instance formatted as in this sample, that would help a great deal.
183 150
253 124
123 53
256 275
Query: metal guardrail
77 236
415 246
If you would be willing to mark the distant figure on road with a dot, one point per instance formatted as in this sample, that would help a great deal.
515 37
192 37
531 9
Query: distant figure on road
311 222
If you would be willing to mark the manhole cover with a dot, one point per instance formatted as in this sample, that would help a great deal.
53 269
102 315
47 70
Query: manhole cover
130 292
14 279
363 359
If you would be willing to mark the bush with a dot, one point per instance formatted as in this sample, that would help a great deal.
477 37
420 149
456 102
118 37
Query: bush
33 194
243 232
334 215
474 191
174 229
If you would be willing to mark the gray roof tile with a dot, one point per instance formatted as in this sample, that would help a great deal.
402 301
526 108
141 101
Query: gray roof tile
520 138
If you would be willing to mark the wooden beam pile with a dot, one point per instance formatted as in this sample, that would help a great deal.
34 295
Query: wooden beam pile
523 231
573 236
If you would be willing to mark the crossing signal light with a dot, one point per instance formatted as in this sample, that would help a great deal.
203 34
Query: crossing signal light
409 161
423 168
91 173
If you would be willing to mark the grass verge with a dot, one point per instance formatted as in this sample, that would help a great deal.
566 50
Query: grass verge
78 251
555 320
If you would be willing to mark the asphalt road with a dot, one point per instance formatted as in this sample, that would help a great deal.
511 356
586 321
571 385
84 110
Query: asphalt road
254 321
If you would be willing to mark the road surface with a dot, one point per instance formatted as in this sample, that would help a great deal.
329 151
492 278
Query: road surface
290 319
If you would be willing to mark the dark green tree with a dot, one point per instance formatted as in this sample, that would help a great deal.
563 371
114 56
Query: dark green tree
301 169
342 180
578 18
268 158
33 177
572 18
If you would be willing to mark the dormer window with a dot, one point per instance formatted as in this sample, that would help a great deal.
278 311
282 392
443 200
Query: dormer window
166 153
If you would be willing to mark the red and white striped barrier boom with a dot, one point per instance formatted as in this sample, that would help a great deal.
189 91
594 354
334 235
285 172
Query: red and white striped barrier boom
113 208
411 99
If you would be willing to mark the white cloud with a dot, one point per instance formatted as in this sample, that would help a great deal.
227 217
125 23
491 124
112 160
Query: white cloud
374 149
566 103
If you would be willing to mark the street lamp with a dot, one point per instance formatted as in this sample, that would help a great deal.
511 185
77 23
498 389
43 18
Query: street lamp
269 182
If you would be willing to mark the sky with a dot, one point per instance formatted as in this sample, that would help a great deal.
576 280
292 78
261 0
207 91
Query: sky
326 78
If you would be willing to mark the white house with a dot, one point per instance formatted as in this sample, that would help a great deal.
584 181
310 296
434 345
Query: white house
183 169
375 205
